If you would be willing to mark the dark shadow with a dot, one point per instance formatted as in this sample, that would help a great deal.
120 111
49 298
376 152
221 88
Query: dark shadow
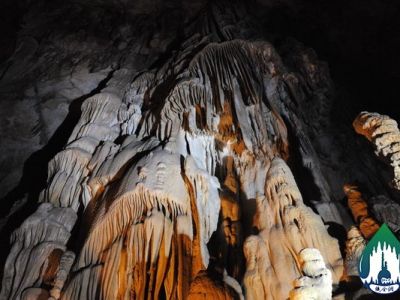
10 24
249 209
349 287
338 231
364 32
303 175
394 296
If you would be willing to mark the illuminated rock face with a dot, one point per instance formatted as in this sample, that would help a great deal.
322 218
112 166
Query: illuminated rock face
384 133
359 209
316 282
287 226
38 247
355 245
194 175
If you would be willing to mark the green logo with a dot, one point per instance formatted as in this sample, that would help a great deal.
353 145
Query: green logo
379 265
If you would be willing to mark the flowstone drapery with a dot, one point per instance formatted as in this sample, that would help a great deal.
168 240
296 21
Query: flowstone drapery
287 226
198 165
149 205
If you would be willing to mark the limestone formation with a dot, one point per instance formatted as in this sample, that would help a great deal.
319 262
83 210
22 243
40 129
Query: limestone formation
38 246
359 208
185 155
387 211
206 287
157 224
286 227
384 133
66 261
355 245
230 232
316 282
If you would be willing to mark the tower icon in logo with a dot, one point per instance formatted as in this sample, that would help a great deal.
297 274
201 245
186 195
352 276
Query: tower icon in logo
379 265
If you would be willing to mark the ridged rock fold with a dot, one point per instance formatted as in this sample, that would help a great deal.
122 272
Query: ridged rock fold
199 158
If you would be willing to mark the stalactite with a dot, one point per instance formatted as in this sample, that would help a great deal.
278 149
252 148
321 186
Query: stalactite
359 208
384 133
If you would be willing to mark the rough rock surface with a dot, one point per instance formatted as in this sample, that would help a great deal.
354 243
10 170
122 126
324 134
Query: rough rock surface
286 227
359 209
176 151
387 211
38 246
316 282
355 245
384 133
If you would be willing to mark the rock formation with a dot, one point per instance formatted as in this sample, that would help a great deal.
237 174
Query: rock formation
38 246
355 245
384 133
195 158
387 211
316 282
359 208
286 227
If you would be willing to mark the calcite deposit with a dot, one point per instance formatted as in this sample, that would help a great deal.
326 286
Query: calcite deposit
181 153
316 282
355 245
38 247
359 209
287 226
384 133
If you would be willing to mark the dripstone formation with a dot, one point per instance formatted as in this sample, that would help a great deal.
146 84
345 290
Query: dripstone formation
197 160
384 133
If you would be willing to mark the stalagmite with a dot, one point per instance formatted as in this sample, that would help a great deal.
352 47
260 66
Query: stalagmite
230 231
66 261
355 245
316 282
384 133
359 208
286 227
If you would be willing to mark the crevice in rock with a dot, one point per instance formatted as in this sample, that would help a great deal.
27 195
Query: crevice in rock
302 174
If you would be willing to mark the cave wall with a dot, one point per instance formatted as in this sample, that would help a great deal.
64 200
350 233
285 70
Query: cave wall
168 149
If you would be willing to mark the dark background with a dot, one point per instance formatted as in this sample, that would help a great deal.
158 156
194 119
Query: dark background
360 40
